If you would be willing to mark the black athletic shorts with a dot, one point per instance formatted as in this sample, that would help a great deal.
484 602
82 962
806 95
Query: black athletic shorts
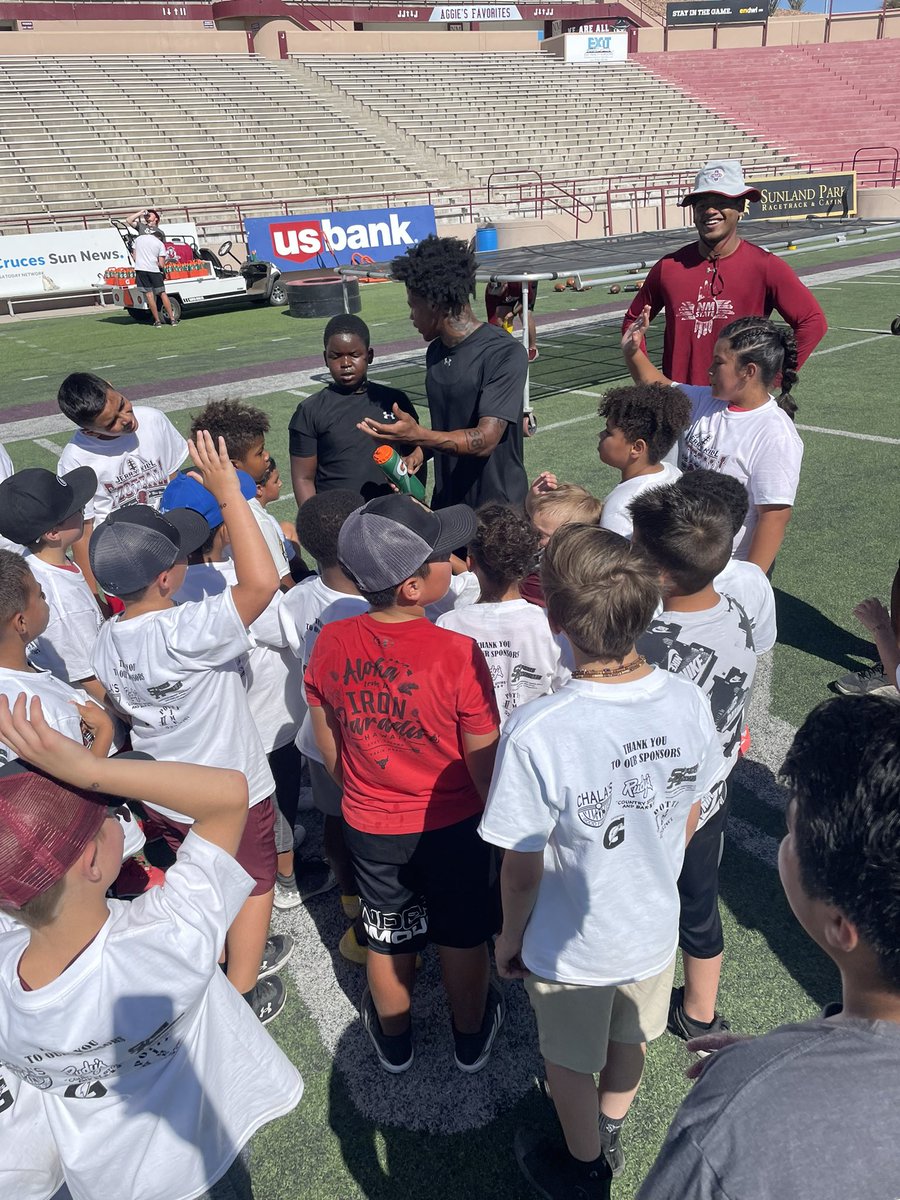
700 926
439 886
150 281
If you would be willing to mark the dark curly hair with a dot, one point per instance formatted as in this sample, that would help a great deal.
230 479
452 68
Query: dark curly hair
843 775
239 424
772 348
505 544
319 522
440 270
654 412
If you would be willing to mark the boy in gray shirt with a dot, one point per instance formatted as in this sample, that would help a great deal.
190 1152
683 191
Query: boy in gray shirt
824 1092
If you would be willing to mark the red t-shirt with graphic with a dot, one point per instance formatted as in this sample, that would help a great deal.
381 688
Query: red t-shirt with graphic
701 296
403 693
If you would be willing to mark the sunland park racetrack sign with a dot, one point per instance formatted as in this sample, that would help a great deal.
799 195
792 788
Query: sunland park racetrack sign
819 195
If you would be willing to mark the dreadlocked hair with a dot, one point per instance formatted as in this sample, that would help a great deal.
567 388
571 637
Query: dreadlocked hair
440 270
772 348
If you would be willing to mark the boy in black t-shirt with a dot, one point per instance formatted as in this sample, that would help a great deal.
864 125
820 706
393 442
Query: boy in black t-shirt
328 451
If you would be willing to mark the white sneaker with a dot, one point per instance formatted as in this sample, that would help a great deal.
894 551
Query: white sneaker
286 897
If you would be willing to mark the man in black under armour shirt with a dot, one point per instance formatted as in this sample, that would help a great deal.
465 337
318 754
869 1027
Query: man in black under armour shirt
475 382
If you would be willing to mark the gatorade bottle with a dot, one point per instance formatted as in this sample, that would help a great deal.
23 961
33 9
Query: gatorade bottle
395 469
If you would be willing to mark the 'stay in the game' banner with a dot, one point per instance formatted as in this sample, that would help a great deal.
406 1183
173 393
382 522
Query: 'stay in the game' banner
722 12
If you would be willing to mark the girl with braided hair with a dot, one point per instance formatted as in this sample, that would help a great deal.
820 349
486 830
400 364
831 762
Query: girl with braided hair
738 427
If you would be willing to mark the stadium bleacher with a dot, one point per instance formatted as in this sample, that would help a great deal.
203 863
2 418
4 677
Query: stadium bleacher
111 133
819 103
532 110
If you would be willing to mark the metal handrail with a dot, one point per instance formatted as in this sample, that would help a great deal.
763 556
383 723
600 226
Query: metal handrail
594 193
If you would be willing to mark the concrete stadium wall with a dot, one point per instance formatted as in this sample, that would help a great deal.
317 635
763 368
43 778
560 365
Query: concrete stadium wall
138 37
788 30
190 37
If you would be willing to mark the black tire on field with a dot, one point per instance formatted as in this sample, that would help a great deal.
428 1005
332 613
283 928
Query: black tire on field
176 310
139 314
895 326
322 297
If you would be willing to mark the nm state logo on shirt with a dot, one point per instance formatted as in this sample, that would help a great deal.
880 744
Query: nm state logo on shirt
378 234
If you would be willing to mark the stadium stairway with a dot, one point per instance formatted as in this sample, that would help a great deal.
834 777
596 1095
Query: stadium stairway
110 133
819 104
494 111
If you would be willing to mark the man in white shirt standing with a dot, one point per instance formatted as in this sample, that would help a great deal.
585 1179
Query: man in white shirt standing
149 254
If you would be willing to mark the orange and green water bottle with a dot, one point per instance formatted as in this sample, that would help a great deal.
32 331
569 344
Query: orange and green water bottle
395 469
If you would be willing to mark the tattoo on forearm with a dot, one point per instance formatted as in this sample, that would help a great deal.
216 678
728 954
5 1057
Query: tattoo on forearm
472 441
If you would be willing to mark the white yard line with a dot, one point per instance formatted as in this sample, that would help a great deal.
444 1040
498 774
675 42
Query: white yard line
49 446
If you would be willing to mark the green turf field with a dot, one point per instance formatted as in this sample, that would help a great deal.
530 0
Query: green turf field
434 1132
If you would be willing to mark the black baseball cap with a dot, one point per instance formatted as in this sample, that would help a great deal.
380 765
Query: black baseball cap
136 543
388 539
34 501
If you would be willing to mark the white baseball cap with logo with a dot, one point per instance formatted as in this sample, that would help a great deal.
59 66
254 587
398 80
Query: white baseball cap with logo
722 177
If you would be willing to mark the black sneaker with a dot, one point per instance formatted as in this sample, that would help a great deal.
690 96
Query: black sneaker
279 948
472 1050
683 1027
395 1054
267 998
554 1173
615 1157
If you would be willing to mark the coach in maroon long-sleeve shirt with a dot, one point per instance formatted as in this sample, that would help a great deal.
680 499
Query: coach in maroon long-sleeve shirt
721 277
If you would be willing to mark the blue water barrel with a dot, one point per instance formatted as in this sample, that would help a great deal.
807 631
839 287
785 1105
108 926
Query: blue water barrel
485 238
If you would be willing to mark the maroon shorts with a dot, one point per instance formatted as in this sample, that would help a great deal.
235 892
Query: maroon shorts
509 298
256 852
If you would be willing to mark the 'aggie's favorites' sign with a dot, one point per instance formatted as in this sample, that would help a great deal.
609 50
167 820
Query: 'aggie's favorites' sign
722 12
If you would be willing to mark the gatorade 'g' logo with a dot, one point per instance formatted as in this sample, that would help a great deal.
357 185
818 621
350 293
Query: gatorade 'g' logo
298 241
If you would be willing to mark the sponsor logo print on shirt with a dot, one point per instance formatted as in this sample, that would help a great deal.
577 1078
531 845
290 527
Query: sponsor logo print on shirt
593 806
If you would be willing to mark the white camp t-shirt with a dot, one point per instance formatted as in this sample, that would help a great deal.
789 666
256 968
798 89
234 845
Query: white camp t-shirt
147 251
271 531
748 584
153 1070
615 515
274 681
29 1161
464 590
601 777
133 468
523 656
304 610
714 649
66 645
178 675
57 701
761 448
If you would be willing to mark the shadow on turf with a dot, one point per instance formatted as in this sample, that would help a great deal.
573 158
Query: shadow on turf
390 1163
805 628
753 893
